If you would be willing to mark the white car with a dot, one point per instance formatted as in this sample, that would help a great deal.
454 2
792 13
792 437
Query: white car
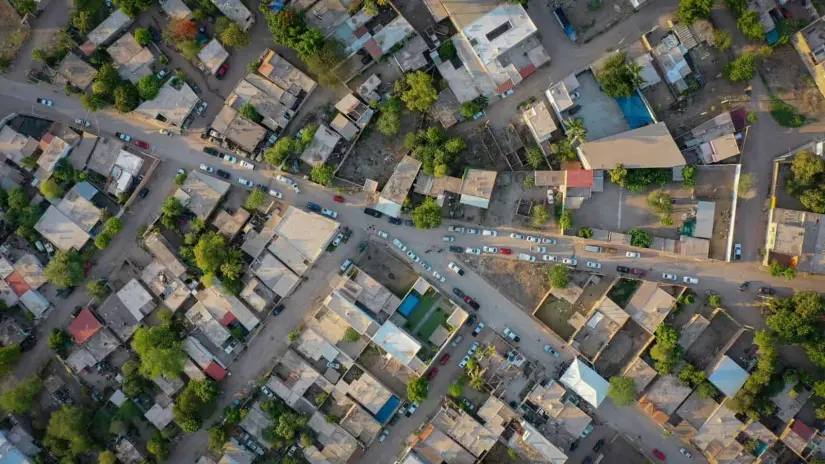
517 236
384 435
426 266
550 350
246 164
472 251
382 234
400 245
82 122
45 102
489 233
685 453
439 277
207 168
295 188
338 239
276 194
284 179
245 182
229 158
457 229
330 213
549 258
464 362
690 280
532 239
667 276
490 249
473 231
548 241
412 409
538 249
633 254
593 265
454 267
473 348
413 257
570 261
165 132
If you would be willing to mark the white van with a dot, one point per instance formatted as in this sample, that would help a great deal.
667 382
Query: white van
526 257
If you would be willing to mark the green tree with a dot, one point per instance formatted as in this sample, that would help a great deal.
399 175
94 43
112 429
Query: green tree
280 151
447 50
210 252
618 175
456 390
160 351
470 108
66 269
618 77
189 49
417 91
106 457
622 390
559 276
66 433
746 183
565 220
691 10
666 351
25 7
427 215
249 112
233 36
418 389
351 335
722 39
689 176
9 355
218 436
20 399
640 238
539 214
564 150
254 200
59 341
660 201
148 87
159 447
715 300
143 36
207 390
690 376
706 390
50 189
253 66
534 157
39 54
103 240
585 232
741 69
751 26
113 225
529 181
575 129
323 174
389 118
126 97
807 167
813 200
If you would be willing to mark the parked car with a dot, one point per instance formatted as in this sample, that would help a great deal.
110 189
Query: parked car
737 251
622 269
208 150
124 137
598 446
532 239
444 359
207 168
398 244
593 265
550 258
489 233
247 165
457 229
245 182
413 256
455 268
165 132
458 292
142 144
538 249
329 213
473 231
333 365
471 302
338 198
372 212
143 193
448 239
222 70
547 241
395 221
337 240
667 276
201 107
550 350
156 37
277 310
223 174
457 341
766 291
45 102
409 222
570 261
659 454
505 251
276 194
314 207
517 236
347 263
439 277
382 234
511 335
638 272
284 179
633 254
82 122
456 249
473 348
464 362
690 280
684 452
527 257
487 249
228 158
426 266
384 435
412 409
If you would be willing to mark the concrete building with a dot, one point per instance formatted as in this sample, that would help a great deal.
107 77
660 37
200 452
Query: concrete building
717 139
721 429
172 105
395 191
213 55
344 126
164 285
257 295
203 357
301 237
15 146
201 193
583 380
477 187
646 147
230 224
266 101
77 207
238 130
322 145
433 446
59 229
355 110
108 30
810 44
210 327
447 109
236 11
650 305
56 149
76 71
84 326
728 376
137 299
535 447
275 68
176 9
796 239
275 274
226 308
160 250
9 453
104 155
132 60
540 122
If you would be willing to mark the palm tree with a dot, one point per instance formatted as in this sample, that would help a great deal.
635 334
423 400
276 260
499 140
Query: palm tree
575 129
476 379
489 351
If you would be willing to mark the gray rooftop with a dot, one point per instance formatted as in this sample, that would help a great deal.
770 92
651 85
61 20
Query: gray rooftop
245 133
133 60
157 245
110 27
213 54
80 210
204 193
285 75
61 230
322 145
646 147
398 186
104 155
79 73
173 104
137 299
176 9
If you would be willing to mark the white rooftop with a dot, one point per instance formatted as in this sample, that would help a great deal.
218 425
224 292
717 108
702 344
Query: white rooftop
585 382
397 342
499 30
173 104
212 55
61 230
109 27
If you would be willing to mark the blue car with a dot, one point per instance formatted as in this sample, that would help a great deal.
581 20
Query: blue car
313 207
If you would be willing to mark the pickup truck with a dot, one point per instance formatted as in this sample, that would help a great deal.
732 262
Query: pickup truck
565 24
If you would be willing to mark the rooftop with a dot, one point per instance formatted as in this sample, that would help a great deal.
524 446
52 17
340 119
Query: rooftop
104 155
117 317
256 294
274 274
133 60
339 446
157 245
244 132
713 140
719 430
60 230
200 317
275 114
137 299
31 270
176 9
667 393
396 189
110 27
447 108
368 391
535 446
160 281
171 104
308 233
799 235
79 73
436 446
467 431
102 344
213 55
397 342
322 145
273 90
540 121
809 42
347 310
344 126
16 146
477 187
356 110
585 382
84 325
234 453
728 376
204 193
56 150
220 304
275 68
160 417
230 224
650 305
326 15
646 147
236 11
80 210
495 31
371 294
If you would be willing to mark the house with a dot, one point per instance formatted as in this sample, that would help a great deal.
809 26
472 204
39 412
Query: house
475 436
77 72
236 11
62 231
715 140
230 224
355 110
94 350
173 104
164 285
646 147
160 250
540 122
176 9
395 190
793 239
257 295
413 55
810 44
238 130
133 61
344 127
433 446
213 55
400 345
15 146
322 145
497 47
210 327
275 68
126 167
56 149
274 274
203 357
13 334
84 326
160 416
535 447
226 308
9 453
326 15
585 382
670 54
650 305
137 299
201 193
77 207
446 109
276 116
127 452
108 30
728 376
104 154
718 431
477 187
301 237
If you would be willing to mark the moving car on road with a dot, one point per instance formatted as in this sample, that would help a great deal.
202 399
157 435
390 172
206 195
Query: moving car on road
633 254
142 144
45 102
82 122
372 212
330 213
550 350
690 280
207 168
684 452
124 137
338 198
659 454
622 269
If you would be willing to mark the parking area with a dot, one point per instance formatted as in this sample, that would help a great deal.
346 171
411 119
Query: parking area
705 349
601 114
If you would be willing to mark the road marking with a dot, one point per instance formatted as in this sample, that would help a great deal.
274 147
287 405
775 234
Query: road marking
619 223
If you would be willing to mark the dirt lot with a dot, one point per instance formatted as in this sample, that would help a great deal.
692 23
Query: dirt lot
555 313
12 33
715 183
524 284
715 336
789 80
707 102
592 17
379 262
621 349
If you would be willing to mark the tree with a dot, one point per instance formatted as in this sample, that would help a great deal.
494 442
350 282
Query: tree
50 189
813 200
207 390
640 238
447 50
746 183
456 390
254 200
417 91
564 150
160 351
585 232
660 201
539 214
741 69
126 97
691 10
666 351
619 78
280 151
618 175
622 390
210 252
189 49
722 39
25 7
750 25
59 341
715 300
180 30
249 112
417 389
233 36
113 225
322 174
535 158
148 87
690 376
427 215
66 269
106 457
436 153
20 399
807 167
559 276
158 446
470 108
351 335
97 289
252 67
218 436
689 176
39 54
565 220
706 390
66 433
103 240
9 355
575 129
143 36
389 119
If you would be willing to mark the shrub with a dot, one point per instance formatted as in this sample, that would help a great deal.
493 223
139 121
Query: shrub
585 232
722 39
741 69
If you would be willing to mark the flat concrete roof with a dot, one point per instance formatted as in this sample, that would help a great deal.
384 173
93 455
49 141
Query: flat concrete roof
348 311
56 150
397 342
540 121
133 60
16 146
61 230
285 75
257 295
80 210
477 187
104 155
274 113
646 147
230 224
719 430
173 104
275 274
398 186
31 270
201 318
236 11
213 54
171 290
137 299
219 304
308 233
650 305
176 9
245 133
344 126
495 31
157 245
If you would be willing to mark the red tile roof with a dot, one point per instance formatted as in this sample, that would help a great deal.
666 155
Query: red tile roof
84 325
802 430
215 371
373 48
527 71
580 178
505 86
17 283
227 319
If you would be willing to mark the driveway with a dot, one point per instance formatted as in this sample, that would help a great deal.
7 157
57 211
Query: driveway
45 30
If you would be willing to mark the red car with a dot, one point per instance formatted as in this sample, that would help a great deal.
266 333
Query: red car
638 272
142 144
222 70
338 198
433 373
444 359
471 302
505 251
659 454
86 268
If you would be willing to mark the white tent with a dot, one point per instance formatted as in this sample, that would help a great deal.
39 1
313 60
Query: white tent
583 380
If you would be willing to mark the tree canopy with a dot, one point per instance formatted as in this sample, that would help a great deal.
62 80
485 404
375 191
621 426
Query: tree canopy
559 276
622 391
50 189
20 399
148 87
666 351
280 151
143 36
417 91
618 77
438 155
323 174
230 33
751 26
389 118
741 69
66 269
427 215
640 238
254 200
126 97
691 10
66 433
160 351
418 389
